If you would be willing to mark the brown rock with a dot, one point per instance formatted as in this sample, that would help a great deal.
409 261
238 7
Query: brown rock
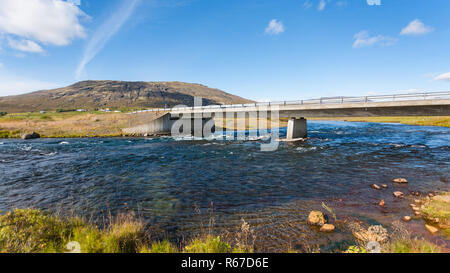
384 186
398 194
327 228
375 186
431 229
406 218
400 180
442 198
316 218
33 135
382 203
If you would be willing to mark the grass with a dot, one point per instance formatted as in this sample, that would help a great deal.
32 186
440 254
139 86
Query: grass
443 121
438 212
69 124
33 231
412 246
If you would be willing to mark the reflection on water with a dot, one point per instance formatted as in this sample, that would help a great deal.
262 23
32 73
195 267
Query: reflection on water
164 179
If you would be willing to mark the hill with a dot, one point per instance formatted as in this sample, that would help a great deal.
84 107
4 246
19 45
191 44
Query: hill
92 95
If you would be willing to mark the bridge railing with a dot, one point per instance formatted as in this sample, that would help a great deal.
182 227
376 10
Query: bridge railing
326 100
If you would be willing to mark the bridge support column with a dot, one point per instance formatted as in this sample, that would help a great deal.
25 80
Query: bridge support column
297 128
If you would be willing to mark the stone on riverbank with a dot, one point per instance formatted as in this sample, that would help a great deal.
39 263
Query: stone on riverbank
33 135
431 229
442 198
373 233
406 218
400 180
384 186
382 203
327 228
316 218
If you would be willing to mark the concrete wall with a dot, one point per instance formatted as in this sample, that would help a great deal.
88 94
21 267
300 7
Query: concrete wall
297 128
163 126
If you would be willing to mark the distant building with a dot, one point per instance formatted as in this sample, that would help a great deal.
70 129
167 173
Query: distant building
81 110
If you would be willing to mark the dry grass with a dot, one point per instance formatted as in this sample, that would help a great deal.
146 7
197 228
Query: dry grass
65 125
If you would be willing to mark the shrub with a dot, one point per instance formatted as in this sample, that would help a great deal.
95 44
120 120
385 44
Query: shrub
31 231
3 114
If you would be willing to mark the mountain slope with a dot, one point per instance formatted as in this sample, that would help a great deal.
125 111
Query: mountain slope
115 94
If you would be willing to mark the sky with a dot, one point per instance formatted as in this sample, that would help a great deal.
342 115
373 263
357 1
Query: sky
265 50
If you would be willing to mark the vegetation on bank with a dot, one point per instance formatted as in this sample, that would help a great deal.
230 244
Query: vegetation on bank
34 231
72 124
443 121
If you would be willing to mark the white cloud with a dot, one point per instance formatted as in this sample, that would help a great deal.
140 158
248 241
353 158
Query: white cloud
54 22
374 2
416 27
275 27
105 32
363 39
24 45
13 85
307 4
443 77
321 5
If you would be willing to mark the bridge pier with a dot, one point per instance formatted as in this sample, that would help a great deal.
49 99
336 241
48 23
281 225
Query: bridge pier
297 128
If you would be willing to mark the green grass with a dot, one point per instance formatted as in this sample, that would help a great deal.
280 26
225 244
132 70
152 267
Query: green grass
33 231
208 244
412 246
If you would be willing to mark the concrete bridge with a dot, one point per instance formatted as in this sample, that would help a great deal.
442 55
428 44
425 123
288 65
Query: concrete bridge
418 104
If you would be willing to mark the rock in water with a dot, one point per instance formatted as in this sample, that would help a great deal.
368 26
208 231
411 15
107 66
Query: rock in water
398 194
375 186
382 203
431 229
406 218
327 228
316 218
33 135
400 180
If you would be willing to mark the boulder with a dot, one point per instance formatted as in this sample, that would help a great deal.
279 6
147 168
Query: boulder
373 233
398 194
33 135
442 198
406 218
316 218
384 186
431 229
327 228
400 180
382 203
375 186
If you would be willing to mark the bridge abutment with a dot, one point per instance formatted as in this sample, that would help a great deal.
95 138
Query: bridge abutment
297 128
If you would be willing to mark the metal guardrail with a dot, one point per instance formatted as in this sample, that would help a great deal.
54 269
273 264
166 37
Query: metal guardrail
327 100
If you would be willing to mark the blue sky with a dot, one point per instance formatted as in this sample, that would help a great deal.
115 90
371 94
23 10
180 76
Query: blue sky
258 49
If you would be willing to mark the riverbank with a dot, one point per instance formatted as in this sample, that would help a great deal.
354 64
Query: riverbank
69 124
104 124
34 231
443 121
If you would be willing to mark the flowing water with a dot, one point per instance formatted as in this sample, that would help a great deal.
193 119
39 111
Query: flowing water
177 185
